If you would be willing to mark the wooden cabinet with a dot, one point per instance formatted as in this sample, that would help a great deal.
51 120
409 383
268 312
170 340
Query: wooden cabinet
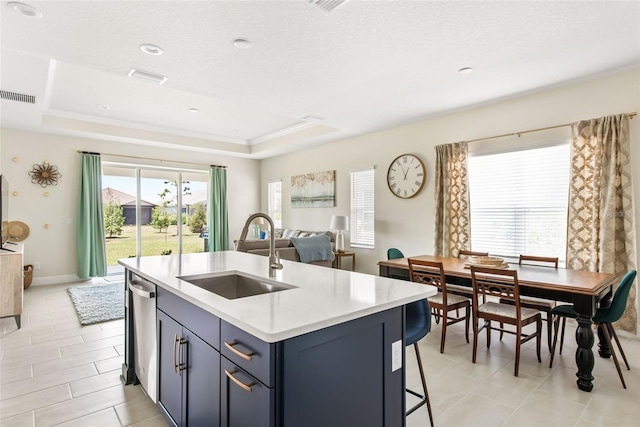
11 282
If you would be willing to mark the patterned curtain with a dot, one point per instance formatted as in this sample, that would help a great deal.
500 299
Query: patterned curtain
601 229
218 221
92 260
453 230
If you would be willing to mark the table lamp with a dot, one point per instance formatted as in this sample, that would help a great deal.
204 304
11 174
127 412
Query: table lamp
340 223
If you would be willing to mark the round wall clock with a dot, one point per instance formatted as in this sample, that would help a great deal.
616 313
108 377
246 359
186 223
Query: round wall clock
406 176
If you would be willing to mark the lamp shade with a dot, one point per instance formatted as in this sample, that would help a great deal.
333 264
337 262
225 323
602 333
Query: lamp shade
339 222
258 221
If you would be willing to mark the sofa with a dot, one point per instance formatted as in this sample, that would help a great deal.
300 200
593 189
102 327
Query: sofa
284 245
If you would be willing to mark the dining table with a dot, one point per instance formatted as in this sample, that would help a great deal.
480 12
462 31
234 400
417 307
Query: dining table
585 290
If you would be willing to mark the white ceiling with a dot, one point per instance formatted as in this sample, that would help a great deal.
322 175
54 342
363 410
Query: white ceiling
365 66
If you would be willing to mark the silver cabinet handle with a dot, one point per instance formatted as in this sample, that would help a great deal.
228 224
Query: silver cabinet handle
182 366
178 366
176 341
245 387
139 290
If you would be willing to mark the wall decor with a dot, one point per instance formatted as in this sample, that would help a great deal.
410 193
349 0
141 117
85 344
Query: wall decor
313 190
406 176
45 174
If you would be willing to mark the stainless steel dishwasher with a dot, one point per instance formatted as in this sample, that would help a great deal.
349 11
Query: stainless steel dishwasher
144 331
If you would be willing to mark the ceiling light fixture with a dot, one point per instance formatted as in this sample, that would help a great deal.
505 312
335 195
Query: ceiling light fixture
104 106
242 43
145 75
312 118
151 49
24 9
465 70
193 110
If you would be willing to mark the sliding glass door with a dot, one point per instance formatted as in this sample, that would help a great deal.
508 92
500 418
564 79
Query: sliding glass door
153 211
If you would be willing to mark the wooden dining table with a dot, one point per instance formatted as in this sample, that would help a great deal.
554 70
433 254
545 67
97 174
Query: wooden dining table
585 290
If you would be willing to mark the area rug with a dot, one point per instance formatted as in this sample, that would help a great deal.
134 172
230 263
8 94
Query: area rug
98 303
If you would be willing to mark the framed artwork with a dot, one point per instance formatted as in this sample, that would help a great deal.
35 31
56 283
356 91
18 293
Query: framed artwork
313 190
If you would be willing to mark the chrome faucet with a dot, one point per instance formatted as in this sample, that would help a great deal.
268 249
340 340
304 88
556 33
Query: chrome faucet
274 258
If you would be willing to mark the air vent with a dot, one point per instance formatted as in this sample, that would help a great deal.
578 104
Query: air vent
327 5
19 97
147 76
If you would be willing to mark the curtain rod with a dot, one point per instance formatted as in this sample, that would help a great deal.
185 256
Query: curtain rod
149 158
631 116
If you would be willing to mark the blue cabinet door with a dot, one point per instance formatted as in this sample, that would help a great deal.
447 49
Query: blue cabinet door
170 388
203 382
245 401
344 376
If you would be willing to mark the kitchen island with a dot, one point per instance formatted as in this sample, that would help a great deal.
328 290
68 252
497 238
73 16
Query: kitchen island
327 349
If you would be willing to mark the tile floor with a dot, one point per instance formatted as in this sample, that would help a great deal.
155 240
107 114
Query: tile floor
55 372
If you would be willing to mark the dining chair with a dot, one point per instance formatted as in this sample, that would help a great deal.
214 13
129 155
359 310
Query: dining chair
541 304
464 252
603 318
465 290
502 284
394 253
432 273
417 326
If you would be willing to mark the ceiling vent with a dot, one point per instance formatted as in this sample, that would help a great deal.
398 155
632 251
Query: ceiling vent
147 76
19 97
327 5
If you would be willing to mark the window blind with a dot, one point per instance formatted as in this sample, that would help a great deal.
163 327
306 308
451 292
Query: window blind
518 201
362 218
275 202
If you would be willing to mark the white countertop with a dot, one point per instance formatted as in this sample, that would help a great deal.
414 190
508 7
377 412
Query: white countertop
322 296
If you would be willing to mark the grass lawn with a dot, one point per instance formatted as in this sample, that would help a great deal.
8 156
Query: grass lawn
153 242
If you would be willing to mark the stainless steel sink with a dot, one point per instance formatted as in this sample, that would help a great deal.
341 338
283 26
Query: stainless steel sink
233 286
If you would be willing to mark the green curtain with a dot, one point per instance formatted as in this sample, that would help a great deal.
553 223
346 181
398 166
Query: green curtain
217 220
92 261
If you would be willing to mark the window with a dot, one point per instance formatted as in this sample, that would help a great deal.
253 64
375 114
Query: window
361 227
275 202
519 201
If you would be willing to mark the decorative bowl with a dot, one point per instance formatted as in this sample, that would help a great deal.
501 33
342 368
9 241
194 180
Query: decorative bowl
487 260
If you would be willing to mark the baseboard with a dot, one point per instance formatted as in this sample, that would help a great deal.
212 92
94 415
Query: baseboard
54 280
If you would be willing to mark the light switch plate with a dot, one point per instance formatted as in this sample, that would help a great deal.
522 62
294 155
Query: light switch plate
396 355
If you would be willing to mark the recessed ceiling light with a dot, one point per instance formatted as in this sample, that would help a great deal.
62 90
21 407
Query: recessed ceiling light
104 106
193 110
242 44
151 49
24 9
465 70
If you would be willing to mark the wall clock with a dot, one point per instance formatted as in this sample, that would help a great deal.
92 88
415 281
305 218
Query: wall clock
406 176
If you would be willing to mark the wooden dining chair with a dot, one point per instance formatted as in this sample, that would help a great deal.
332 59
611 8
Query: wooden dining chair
502 285
541 304
432 273
466 253
465 290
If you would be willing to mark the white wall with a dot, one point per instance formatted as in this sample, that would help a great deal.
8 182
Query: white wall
408 224
55 247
